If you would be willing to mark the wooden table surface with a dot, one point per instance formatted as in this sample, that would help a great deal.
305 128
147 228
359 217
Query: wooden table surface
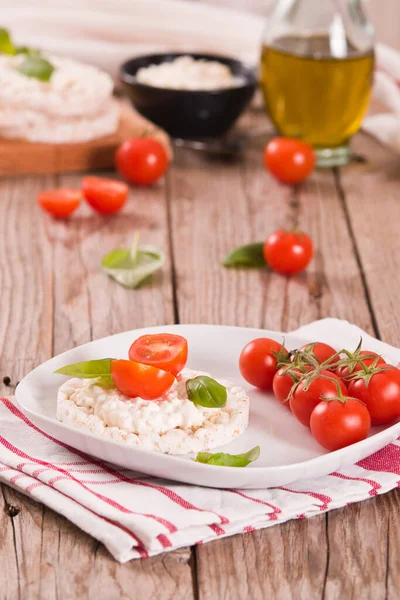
53 297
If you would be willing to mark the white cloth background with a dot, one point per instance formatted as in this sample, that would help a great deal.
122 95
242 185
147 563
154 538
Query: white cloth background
106 32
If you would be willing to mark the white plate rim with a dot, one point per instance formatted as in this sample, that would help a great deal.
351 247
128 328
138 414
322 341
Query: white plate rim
176 459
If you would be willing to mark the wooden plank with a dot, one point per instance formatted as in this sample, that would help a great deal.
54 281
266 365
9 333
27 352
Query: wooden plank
239 204
266 564
372 204
41 554
26 329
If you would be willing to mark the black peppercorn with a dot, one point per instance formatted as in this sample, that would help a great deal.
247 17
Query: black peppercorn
6 380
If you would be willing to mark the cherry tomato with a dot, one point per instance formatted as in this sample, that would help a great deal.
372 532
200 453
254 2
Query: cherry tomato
163 350
381 395
344 372
107 196
282 384
320 351
137 380
60 203
289 160
305 400
288 252
258 363
336 424
141 160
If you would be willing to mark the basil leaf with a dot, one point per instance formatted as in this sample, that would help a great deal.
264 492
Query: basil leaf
37 67
205 391
131 267
27 50
229 460
250 256
6 45
90 369
105 381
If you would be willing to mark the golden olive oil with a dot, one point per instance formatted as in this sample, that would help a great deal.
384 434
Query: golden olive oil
310 94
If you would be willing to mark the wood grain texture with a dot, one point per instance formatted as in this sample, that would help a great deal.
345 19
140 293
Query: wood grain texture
19 157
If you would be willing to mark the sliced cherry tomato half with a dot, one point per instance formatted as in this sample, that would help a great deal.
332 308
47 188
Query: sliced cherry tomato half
288 252
60 203
166 351
336 424
106 196
141 160
308 395
137 380
258 362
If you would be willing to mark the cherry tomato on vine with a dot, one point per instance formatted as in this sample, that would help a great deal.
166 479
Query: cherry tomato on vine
60 203
381 395
308 395
282 384
141 160
163 350
344 371
106 196
137 380
320 351
258 363
288 252
336 424
289 160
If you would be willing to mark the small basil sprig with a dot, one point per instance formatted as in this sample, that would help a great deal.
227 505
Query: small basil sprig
99 370
205 391
36 66
131 267
250 256
33 64
221 459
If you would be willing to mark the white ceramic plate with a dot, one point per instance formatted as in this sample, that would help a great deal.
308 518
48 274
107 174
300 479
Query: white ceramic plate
288 451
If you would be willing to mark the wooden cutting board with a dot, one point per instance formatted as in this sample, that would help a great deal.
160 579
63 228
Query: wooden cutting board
18 157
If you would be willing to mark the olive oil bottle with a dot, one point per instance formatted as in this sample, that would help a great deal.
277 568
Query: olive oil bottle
316 73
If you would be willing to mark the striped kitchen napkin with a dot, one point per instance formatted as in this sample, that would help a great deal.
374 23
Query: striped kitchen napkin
136 516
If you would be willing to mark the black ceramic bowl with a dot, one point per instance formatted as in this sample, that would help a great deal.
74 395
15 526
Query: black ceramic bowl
189 114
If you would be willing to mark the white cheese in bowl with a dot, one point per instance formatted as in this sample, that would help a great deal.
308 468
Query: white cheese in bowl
187 73
75 105
172 425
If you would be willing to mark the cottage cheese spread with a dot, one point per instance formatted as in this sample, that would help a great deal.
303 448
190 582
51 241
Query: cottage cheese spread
173 425
75 105
187 73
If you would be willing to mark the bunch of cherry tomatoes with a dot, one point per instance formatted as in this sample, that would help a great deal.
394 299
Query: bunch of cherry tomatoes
337 394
